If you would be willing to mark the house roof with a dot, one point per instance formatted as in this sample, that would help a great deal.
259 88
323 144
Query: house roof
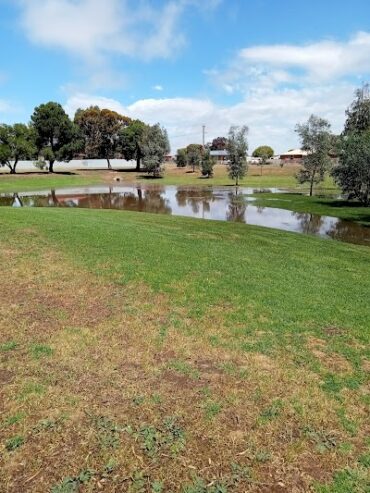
219 153
294 152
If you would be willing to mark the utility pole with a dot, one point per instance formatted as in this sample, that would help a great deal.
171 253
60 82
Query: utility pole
204 133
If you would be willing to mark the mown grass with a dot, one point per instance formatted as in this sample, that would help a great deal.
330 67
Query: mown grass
153 353
273 176
321 205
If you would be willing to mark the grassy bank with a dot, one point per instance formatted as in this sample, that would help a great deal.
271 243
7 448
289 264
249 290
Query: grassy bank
153 353
273 176
315 205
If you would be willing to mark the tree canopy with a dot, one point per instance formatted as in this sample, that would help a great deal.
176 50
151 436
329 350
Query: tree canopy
155 146
316 139
218 144
130 141
358 114
194 155
16 142
264 152
54 131
237 146
100 129
181 158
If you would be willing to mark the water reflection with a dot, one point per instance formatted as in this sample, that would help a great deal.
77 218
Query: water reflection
209 203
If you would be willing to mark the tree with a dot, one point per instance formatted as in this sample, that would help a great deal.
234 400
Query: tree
207 164
194 153
264 153
155 146
352 173
237 147
218 144
316 139
54 131
101 129
130 141
181 158
16 142
358 114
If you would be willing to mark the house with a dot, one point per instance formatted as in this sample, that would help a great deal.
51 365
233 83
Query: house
293 155
220 156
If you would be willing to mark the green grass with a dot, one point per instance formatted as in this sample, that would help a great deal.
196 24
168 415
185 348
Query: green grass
321 205
24 183
265 348
272 177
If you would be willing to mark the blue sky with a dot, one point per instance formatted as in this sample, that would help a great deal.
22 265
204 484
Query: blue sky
265 63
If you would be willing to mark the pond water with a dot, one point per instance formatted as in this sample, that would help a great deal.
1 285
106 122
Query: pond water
220 203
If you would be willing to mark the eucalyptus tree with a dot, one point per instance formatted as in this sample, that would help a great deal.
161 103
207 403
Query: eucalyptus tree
16 142
352 173
155 145
54 131
194 153
316 140
207 164
264 153
101 129
130 141
181 158
237 147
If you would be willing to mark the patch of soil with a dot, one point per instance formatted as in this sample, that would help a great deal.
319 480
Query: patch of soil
6 376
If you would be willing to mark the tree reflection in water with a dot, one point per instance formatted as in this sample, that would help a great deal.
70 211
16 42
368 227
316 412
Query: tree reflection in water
309 223
211 203
237 207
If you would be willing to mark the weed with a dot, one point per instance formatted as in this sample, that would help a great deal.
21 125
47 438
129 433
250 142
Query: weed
47 425
262 456
8 346
157 487
40 351
108 432
272 411
184 368
138 400
31 388
12 420
364 460
72 484
169 436
346 481
14 443
212 409
323 440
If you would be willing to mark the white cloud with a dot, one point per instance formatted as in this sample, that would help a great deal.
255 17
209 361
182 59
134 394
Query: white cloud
92 29
321 61
278 86
158 87
271 116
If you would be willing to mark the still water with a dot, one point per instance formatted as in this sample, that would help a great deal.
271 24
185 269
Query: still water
225 204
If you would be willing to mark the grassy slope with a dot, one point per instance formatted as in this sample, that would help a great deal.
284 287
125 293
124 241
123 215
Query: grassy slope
272 177
315 205
255 340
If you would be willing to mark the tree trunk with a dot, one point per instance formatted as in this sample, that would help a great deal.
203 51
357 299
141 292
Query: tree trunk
261 170
311 182
109 165
138 164
51 166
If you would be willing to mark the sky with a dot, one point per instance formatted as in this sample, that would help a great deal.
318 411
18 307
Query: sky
267 64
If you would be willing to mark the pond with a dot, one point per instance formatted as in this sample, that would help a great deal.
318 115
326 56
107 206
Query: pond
220 203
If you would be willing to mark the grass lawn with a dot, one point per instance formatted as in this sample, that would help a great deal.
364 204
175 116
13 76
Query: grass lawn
316 205
148 353
273 176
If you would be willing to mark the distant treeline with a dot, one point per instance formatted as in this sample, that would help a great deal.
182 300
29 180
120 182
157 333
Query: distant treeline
94 133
